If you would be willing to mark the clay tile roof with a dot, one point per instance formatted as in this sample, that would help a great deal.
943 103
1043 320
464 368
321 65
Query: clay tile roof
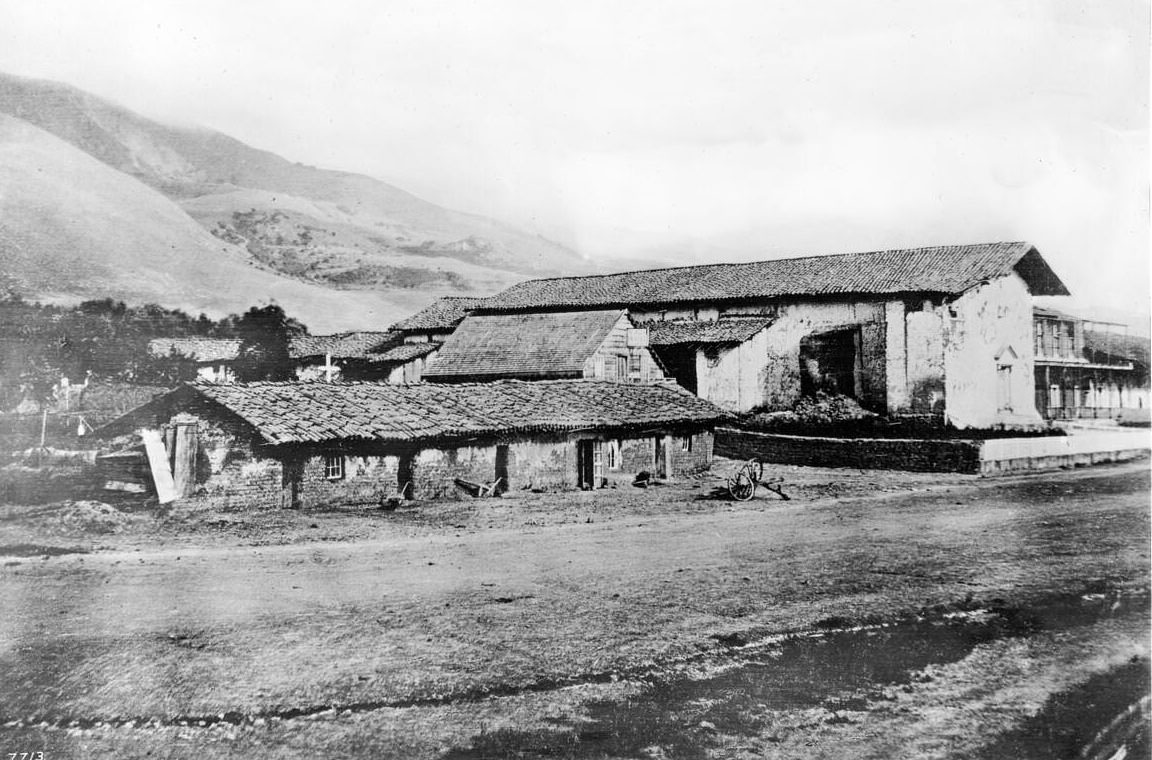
350 345
727 330
950 269
523 345
441 316
200 349
405 352
283 413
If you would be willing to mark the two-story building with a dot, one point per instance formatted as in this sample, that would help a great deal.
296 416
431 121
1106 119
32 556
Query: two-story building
1087 369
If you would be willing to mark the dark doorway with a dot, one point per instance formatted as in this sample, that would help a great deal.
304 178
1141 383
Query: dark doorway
502 469
589 464
660 468
830 362
404 485
680 361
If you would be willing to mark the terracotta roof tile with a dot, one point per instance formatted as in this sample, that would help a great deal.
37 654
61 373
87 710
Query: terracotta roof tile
728 330
350 345
441 316
328 412
948 269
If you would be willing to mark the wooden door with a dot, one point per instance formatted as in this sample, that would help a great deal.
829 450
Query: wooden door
502 468
590 464
660 466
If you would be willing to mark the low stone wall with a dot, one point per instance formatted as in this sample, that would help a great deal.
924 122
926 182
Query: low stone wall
988 457
871 453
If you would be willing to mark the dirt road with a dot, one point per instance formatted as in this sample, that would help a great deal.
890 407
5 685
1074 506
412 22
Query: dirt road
400 632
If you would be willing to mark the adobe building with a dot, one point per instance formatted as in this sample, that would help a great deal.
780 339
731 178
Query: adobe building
944 330
295 444
361 355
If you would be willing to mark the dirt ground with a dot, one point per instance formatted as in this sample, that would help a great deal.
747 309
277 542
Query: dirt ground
521 626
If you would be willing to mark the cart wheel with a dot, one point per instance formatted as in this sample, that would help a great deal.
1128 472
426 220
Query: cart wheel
741 486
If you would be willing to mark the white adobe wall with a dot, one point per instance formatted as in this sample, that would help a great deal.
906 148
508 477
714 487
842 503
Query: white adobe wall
777 381
730 377
914 357
988 321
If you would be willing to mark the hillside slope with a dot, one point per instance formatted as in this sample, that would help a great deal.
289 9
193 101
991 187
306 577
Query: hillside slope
71 227
334 228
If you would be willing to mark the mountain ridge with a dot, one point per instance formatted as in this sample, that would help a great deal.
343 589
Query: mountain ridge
332 230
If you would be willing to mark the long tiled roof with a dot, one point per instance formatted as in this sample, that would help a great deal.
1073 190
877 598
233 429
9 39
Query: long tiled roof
523 345
441 316
200 349
948 269
734 330
350 345
284 413
405 352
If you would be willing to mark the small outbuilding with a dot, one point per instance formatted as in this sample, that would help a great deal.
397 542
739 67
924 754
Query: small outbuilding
312 444
602 343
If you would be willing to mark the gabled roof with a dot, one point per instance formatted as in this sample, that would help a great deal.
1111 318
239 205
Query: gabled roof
441 316
295 412
722 331
350 345
200 349
523 345
948 270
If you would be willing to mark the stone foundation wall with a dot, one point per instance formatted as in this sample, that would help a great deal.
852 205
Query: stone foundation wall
872 453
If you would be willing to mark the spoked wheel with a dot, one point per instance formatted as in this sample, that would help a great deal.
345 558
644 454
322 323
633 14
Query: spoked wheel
741 486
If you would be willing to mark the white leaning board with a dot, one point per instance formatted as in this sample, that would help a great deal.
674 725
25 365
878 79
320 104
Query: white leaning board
158 463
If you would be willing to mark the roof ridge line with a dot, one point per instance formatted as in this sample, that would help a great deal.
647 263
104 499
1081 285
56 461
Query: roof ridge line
762 261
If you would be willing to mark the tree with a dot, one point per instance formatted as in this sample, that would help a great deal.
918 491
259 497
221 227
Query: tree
265 334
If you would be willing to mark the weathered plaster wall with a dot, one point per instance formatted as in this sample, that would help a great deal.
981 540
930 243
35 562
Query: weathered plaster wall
924 333
410 372
778 381
730 376
434 470
549 465
991 323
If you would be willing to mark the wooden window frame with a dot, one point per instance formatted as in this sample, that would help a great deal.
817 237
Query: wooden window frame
334 467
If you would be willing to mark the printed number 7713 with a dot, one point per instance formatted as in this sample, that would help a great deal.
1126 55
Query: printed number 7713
25 756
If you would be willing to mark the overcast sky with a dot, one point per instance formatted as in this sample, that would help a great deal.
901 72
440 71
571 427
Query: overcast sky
720 130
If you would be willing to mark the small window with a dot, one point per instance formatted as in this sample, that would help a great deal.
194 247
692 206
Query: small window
634 364
334 466
612 454
686 443
1004 387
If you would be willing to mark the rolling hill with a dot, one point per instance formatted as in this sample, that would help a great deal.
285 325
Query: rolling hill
99 201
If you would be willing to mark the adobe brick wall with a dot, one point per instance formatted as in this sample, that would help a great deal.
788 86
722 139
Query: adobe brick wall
228 467
367 480
542 464
874 453
697 459
434 470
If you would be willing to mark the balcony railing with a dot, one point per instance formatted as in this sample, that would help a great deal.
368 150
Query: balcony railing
1083 412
